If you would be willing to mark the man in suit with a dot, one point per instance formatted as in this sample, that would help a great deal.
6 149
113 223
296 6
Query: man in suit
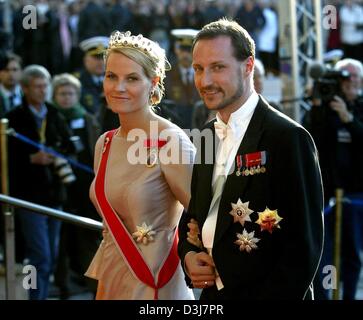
258 203
34 175
10 90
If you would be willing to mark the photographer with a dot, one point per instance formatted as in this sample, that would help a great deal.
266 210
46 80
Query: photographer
77 245
33 174
336 124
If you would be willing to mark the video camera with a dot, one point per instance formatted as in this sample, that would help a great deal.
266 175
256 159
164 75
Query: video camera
327 81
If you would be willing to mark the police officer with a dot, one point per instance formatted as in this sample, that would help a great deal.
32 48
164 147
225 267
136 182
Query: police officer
92 73
179 85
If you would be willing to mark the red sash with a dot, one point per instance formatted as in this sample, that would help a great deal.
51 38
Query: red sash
124 241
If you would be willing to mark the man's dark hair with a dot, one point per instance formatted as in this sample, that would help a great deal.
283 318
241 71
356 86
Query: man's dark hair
6 57
243 44
3 60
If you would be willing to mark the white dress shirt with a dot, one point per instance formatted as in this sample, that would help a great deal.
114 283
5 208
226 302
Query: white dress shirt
226 153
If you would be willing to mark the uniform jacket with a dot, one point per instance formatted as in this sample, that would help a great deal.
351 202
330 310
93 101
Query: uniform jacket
183 95
284 264
92 97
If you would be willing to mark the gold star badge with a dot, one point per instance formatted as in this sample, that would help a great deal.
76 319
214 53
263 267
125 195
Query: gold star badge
268 220
241 212
144 234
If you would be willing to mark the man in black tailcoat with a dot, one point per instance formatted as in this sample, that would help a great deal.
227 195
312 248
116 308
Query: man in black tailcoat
257 201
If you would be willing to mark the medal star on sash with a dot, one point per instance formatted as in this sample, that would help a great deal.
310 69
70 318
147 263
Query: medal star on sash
241 212
144 234
268 220
246 241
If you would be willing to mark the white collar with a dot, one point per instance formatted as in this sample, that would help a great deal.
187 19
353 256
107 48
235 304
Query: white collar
241 115
41 113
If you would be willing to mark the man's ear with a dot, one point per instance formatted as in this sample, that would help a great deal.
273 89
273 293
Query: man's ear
250 65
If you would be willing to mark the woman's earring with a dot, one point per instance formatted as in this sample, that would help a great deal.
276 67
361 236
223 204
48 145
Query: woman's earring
151 100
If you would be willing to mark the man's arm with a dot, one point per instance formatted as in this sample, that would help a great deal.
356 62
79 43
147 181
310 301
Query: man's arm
299 196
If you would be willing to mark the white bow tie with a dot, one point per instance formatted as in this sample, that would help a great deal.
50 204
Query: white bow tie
221 130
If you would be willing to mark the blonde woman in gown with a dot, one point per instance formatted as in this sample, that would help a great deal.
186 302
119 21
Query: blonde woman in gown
150 194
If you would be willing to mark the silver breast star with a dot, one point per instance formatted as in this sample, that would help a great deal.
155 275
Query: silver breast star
241 212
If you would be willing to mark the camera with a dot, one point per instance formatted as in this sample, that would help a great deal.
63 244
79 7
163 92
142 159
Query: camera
64 170
327 81
77 144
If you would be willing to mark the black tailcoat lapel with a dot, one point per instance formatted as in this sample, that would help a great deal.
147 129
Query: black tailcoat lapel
205 174
249 144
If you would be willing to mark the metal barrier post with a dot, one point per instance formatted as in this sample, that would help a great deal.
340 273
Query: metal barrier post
337 239
8 215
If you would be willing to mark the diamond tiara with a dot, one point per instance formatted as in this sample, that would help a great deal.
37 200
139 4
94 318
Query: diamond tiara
149 48
120 40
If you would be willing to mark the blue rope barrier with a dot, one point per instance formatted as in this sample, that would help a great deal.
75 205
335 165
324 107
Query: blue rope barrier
354 202
44 148
328 209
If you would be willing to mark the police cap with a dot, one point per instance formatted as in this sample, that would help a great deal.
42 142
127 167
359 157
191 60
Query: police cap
94 46
184 37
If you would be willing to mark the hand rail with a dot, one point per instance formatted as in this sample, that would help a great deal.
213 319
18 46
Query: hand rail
54 213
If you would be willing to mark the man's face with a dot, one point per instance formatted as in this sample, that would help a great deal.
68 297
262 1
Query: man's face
36 91
11 75
219 77
94 65
352 86
184 56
